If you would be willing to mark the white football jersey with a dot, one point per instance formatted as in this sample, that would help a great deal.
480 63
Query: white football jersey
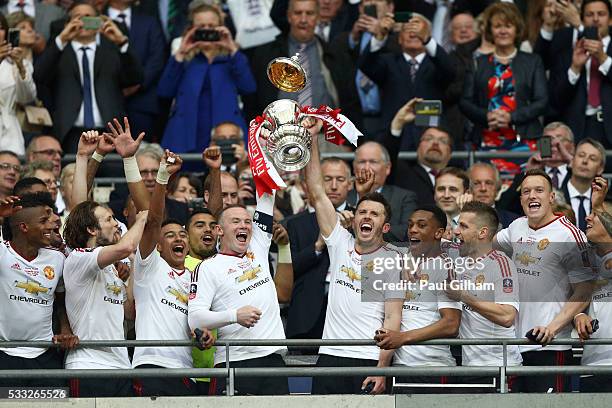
94 304
601 309
161 294
497 269
229 282
349 315
27 291
421 309
548 260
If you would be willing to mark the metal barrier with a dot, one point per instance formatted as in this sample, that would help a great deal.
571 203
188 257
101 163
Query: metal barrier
230 373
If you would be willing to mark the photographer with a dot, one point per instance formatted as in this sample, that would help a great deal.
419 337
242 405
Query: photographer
229 136
205 77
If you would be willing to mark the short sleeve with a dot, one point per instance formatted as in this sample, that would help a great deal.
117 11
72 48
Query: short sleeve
506 284
577 258
201 291
504 240
146 266
81 266
338 236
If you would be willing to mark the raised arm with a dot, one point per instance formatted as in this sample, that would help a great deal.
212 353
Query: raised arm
212 159
169 165
87 145
324 209
105 146
126 246
126 148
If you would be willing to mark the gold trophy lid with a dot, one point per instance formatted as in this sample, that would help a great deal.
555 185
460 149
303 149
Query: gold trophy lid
287 74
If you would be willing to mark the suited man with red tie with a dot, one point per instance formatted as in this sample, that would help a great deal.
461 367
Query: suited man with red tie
581 79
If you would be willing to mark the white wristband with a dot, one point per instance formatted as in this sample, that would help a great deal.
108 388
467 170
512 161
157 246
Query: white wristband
130 167
98 157
284 254
162 174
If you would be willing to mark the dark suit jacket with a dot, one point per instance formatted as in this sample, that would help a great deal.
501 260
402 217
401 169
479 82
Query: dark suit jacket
506 217
338 64
410 176
346 17
149 46
530 93
569 100
59 71
428 8
307 307
391 73
402 202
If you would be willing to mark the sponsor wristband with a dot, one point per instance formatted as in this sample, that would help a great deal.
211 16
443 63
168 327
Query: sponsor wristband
130 167
98 157
284 254
162 174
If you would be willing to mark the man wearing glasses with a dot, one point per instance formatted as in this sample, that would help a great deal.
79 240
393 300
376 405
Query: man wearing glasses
48 149
10 168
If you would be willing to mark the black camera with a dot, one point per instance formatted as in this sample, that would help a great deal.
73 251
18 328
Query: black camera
206 35
227 151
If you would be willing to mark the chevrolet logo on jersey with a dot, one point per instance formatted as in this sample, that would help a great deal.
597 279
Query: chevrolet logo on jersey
31 286
526 259
350 273
113 288
179 294
249 274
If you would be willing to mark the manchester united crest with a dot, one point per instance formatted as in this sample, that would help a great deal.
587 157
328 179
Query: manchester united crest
480 279
250 256
543 244
424 278
49 272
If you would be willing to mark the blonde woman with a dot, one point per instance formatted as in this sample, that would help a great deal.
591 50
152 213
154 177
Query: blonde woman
204 77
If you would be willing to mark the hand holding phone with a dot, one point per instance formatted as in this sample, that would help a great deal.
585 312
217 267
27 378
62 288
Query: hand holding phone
13 37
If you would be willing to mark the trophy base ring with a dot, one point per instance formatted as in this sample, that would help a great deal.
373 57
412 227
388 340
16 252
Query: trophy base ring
290 152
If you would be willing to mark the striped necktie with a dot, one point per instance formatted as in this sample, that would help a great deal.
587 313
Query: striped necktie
305 95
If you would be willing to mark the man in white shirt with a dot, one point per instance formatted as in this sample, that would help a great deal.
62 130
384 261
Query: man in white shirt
31 280
600 307
95 295
451 184
487 312
348 315
427 314
555 278
234 292
588 162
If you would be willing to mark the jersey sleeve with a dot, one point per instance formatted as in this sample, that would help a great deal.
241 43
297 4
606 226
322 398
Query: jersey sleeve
504 240
202 289
263 220
82 266
338 236
506 287
577 257
144 268
444 302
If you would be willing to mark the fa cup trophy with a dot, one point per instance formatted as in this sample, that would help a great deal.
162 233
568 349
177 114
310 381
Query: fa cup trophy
288 144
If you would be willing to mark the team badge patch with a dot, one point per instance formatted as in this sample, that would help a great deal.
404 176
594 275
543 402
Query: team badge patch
480 279
193 290
49 272
508 285
424 278
543 244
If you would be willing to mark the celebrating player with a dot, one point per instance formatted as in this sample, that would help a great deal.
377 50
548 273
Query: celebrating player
486 312
234 291
552 261
427 314
32 275
348 317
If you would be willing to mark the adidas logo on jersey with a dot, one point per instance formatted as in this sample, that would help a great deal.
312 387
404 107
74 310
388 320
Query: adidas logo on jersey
16 266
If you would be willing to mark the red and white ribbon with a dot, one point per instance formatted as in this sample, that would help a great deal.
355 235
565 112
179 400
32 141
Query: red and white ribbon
336 128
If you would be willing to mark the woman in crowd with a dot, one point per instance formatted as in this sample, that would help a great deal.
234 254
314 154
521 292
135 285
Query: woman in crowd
184 188
205 77
505 94
16 86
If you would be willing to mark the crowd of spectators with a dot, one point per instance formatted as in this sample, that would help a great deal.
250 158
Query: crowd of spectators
190 76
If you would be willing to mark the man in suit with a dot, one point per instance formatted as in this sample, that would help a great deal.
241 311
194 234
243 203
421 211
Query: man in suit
354 43
562 141
588 162
328 81
581 79
335 17
422 69
485 183
451 184
86 73
44 14
310 258
433 154
374 157
149 46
